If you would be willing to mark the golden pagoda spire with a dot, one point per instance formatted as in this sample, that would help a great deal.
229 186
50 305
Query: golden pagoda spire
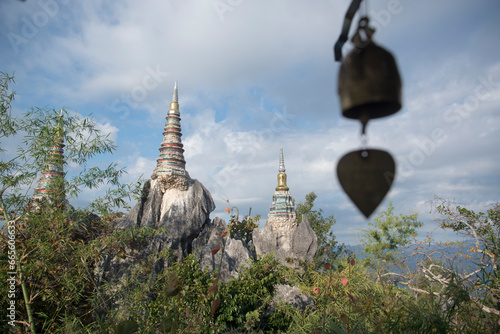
281 174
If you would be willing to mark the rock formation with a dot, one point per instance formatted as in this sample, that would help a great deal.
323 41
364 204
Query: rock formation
293 296
172 204
290 242
181 213
177 208
236 253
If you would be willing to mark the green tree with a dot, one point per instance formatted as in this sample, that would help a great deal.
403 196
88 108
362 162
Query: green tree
53 248
242 230
483 231
328 248
460 277
388 232
36 131
8 124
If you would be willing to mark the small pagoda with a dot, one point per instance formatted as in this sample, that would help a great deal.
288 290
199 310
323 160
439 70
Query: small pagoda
51 183
170 169
282 236
282 209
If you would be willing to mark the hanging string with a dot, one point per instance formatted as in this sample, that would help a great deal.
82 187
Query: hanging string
364 143
364 8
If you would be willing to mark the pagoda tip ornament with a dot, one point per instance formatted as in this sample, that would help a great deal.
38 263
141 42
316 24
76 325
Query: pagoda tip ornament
174 105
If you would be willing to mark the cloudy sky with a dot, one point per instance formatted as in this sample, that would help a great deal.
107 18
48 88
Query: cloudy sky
258 75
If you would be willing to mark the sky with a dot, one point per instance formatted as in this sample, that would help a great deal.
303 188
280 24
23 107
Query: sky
255 76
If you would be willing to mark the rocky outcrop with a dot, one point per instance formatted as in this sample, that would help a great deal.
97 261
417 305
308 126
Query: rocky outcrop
236 253
183 214
176 216
291 295
211 234
290 242
181 223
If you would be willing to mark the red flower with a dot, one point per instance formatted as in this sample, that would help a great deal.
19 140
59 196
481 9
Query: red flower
344 281
223 235
228 210
327 266
266 266
316 290
353 262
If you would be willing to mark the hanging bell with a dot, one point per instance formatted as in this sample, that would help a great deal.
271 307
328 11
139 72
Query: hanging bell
369 84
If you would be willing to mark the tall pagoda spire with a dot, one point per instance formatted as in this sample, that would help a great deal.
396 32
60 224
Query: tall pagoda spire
171 161
282 200
51 183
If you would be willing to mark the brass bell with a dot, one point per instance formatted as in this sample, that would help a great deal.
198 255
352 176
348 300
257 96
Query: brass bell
369 84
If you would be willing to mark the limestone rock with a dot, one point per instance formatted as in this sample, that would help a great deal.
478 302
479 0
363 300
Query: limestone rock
236 254
305 241
293 296
210 235
290 242
181 214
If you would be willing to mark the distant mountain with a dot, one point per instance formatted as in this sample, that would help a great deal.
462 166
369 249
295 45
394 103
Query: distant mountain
437 252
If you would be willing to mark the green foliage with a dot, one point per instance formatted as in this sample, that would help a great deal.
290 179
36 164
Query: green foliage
242 230
171 302
181 298
55 251
388 232
8 125
54 245
482 230
244 298
36 130
328 248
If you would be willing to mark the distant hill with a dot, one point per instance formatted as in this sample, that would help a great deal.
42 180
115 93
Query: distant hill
444 251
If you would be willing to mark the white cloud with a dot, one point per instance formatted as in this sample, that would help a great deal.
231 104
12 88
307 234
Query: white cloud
265 60
106 129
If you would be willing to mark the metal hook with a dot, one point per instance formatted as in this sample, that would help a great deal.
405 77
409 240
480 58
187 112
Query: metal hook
353 8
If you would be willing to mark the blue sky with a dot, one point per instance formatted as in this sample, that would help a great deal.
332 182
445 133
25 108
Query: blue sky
258 75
